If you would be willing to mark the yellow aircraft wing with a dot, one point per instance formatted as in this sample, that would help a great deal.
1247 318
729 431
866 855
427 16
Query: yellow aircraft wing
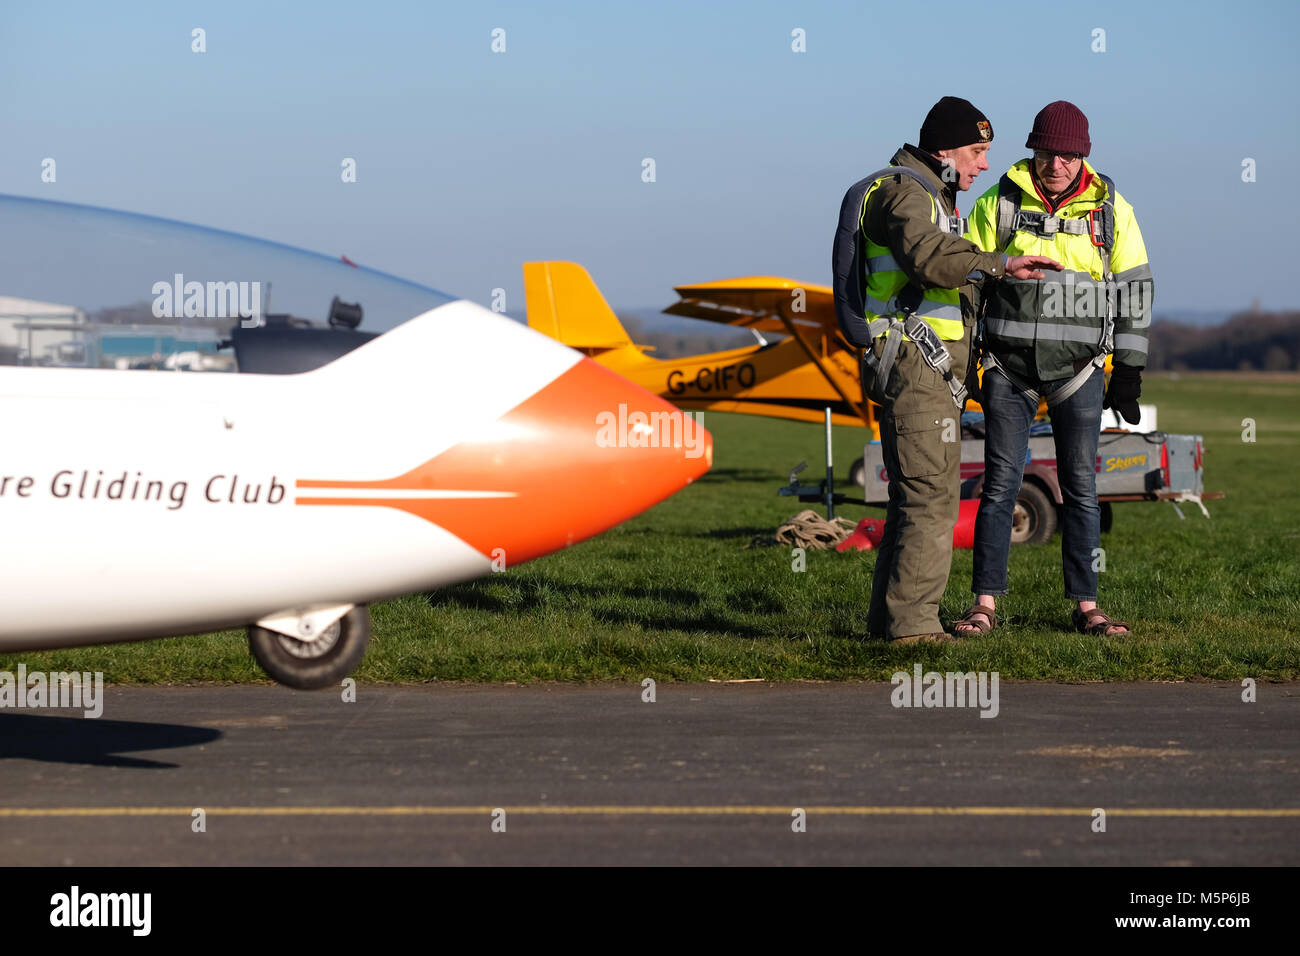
762 303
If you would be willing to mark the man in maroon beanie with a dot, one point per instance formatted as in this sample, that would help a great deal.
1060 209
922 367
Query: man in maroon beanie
1049 337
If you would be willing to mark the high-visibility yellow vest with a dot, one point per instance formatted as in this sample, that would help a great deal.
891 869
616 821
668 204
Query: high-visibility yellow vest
1040 328
939 308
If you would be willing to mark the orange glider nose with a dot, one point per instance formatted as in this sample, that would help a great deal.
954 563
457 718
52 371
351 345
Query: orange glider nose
586 452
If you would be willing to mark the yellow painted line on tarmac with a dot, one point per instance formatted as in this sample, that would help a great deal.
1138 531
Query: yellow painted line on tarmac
646 810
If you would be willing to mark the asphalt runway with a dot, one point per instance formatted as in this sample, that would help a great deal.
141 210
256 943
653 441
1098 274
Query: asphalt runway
1187 774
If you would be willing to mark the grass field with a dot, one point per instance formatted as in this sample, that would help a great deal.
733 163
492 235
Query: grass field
676 594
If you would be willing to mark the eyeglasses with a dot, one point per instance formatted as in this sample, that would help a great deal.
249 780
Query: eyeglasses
1047 156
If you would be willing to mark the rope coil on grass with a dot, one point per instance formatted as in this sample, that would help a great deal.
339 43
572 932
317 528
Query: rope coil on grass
808 530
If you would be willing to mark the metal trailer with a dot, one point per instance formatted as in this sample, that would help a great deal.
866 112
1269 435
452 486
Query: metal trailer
1131 466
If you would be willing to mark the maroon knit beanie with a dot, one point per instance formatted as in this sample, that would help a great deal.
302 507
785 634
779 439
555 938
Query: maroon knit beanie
1060 127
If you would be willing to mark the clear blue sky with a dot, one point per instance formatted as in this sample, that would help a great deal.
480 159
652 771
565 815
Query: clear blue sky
470 163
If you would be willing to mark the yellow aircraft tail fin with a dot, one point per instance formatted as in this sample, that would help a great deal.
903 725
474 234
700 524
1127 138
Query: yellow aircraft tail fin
564 303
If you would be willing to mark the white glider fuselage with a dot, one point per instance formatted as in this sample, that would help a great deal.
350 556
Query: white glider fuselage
138 504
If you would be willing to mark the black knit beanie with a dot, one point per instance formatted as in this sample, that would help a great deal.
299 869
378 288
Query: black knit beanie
954 122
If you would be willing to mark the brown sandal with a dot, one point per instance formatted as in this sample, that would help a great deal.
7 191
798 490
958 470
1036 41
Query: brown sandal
979 626
1096 622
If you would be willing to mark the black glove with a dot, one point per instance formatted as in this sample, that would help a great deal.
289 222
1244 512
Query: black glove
1124 391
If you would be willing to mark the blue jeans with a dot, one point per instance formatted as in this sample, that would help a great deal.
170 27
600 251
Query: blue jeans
1076 424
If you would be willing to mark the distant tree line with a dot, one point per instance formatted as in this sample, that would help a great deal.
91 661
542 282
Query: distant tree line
1248 341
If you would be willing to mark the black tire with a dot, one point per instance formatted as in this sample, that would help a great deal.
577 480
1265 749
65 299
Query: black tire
858 473
1107 517
322 663
1034 520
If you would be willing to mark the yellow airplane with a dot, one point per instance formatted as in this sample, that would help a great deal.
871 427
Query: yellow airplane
798 377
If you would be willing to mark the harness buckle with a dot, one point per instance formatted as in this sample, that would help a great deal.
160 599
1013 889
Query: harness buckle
928 343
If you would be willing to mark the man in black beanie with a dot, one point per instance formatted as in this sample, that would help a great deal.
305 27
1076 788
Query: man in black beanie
917 263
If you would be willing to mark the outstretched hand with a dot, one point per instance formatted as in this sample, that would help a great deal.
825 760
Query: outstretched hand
1026 267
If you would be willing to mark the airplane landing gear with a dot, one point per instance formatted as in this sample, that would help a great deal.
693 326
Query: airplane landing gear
309 664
